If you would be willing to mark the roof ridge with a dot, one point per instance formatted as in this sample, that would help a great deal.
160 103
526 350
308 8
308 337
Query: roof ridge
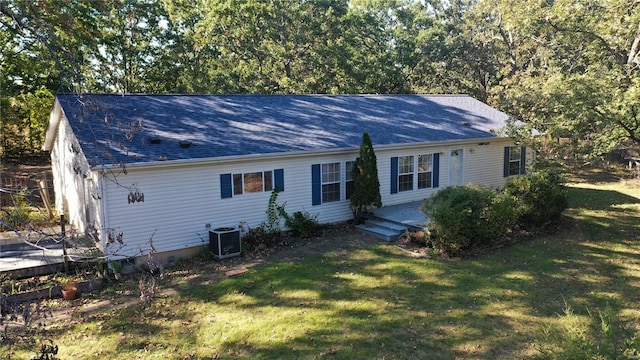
259 95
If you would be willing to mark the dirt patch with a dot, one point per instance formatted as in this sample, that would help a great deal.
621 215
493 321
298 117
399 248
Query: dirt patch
599 175
17 174
24 171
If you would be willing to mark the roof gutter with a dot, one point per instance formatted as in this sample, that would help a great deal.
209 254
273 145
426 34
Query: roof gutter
287 155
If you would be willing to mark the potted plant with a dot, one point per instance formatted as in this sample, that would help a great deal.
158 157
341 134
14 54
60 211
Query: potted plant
69 290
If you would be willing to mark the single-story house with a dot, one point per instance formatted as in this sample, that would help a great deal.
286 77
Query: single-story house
170 167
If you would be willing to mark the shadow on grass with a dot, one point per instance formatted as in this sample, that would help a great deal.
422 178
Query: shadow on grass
492 306
597 199
596 174
374 301
603 215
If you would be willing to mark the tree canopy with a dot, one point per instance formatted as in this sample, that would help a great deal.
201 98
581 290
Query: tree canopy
566 68
573 68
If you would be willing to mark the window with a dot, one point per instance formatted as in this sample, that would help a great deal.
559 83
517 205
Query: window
350 185
330 182
254 182
514 160
268 181
402 172
327 182
251 182
425 171
237 184
405 173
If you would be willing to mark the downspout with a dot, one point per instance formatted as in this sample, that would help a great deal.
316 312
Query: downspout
85 208
104 215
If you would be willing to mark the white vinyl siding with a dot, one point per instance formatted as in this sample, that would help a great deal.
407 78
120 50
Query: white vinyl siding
483 163
181 201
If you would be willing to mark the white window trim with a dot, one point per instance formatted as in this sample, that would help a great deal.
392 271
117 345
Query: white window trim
418 172
243 185
323 183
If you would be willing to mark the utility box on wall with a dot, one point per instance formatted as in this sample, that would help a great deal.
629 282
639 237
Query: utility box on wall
225 242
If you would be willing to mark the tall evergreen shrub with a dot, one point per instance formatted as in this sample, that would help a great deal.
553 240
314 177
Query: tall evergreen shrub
365 178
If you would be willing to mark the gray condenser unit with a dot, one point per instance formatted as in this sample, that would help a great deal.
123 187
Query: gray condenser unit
225 242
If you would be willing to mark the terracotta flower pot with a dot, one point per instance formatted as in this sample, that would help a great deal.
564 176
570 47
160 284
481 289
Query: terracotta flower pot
69 293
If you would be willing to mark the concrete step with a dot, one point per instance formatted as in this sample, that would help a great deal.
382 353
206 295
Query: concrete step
379 232
386 224
413 225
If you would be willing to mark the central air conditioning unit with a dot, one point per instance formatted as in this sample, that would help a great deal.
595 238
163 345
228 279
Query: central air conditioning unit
224 242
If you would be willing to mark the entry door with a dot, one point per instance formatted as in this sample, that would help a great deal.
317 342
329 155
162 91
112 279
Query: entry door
456 159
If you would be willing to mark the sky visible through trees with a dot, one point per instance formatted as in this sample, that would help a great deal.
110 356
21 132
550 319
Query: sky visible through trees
567 68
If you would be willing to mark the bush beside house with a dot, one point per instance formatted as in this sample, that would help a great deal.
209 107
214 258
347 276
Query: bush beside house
541 198
464 217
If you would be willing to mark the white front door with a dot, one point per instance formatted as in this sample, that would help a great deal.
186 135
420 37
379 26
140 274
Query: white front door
456 159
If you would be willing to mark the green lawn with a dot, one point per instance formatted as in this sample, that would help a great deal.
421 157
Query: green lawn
372 301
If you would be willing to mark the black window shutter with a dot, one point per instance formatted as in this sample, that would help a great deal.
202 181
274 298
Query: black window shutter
316 185
506 162
436 170
226 188
278 176
394 175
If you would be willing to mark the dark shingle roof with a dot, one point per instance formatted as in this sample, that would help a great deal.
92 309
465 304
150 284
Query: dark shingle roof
114 128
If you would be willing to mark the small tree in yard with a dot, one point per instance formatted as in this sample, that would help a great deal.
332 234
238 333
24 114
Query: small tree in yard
365 179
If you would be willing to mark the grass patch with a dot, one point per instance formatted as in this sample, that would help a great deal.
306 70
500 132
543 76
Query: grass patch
371 300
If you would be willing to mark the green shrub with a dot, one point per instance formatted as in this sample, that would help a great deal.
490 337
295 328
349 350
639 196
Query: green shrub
269 233
462 217
501 217
541 197
275 214
302 224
